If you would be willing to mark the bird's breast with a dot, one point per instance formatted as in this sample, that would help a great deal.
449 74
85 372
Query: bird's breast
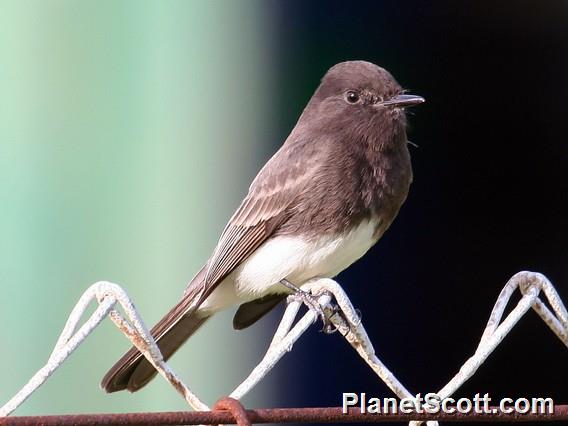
299 258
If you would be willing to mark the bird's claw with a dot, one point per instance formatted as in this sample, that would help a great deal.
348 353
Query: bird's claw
328 326
312 303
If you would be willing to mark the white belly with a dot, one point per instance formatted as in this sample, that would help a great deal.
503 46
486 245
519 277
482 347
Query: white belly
295 259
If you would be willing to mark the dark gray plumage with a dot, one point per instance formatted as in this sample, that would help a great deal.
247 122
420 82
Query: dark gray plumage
318 204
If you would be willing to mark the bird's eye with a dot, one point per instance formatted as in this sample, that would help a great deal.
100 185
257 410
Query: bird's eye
352 97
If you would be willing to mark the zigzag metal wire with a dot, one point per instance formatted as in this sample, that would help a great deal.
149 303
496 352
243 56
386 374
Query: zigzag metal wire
107 294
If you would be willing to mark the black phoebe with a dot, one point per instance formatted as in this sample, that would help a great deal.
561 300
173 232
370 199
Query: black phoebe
317 206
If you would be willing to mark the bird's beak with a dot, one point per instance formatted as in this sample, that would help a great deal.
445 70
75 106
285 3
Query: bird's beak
402 101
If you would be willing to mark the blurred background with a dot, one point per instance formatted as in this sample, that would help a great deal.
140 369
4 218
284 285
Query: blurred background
129 132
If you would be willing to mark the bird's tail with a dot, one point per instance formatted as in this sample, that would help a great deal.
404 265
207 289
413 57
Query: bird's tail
133 370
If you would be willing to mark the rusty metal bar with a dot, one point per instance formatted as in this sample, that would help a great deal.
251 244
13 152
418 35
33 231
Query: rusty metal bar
273 415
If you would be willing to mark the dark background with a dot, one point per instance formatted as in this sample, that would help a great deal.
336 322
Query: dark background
489 197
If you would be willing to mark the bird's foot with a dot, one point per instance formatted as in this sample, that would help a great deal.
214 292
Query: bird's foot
312 304
349 329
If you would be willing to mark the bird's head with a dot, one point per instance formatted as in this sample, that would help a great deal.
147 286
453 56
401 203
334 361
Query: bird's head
359 94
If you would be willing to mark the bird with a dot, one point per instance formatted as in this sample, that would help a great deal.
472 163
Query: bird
319 204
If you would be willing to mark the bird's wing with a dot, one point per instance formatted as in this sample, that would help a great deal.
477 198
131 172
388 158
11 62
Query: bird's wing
263 210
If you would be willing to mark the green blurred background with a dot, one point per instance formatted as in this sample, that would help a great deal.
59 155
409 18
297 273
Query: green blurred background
118 162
